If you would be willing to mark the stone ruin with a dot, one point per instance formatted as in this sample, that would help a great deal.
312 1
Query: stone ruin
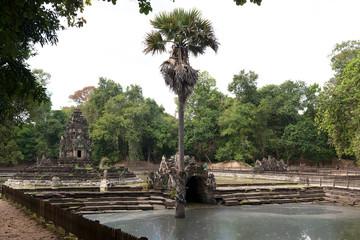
270 164
74 166
76 147
199 183
43 161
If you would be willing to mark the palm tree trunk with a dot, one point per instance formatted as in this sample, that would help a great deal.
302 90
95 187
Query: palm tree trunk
180 188
181 132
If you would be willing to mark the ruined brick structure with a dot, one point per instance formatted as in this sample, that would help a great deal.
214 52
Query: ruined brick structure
270 164
76 146
199 184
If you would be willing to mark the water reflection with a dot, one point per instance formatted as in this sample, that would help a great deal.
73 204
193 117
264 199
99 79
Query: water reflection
293 221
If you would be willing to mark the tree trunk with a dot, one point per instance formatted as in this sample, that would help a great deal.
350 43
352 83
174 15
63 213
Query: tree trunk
181 132
207 157
180 188
149 153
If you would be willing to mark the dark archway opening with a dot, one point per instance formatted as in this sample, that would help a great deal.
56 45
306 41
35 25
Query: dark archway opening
195 190
79 153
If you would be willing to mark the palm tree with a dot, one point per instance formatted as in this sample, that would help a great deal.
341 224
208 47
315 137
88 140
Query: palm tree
186 32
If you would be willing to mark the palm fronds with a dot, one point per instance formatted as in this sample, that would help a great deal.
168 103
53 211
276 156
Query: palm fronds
181 78
187 32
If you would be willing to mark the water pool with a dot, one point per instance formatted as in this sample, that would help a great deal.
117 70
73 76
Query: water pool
289 221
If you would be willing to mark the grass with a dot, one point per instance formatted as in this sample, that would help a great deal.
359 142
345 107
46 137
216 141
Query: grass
241 180
43 176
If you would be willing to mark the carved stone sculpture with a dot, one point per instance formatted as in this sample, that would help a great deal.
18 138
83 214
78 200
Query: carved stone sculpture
169 178
270 164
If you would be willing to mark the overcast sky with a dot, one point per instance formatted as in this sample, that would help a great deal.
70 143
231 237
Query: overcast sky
279 40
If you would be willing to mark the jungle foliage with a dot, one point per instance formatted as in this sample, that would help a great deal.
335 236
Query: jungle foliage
126 126
291 120
339 102
275 120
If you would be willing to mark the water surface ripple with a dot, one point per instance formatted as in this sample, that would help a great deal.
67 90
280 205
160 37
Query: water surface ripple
290 221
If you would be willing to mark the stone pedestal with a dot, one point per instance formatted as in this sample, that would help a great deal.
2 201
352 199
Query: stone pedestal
55 182
104 185
179 210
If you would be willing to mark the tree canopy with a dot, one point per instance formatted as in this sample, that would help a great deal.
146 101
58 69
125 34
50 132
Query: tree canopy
339 107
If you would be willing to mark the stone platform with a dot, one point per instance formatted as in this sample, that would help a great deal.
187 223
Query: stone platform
89 200
267 194
116 199
67 175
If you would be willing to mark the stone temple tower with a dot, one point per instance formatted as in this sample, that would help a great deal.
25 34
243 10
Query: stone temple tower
76 146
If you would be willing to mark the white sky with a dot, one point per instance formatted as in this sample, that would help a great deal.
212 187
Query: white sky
280 40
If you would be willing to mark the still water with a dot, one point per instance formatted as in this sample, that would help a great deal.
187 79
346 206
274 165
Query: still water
291 221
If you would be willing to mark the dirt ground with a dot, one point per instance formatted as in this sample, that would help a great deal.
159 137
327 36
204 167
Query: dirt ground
229 164
16 224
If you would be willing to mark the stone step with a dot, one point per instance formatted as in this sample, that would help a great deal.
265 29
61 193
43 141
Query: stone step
312 191
268 197
125 188
105 211
312 199
310 195
342 199
108 194
104 203
344 193
160 198
69 204
231 202
257 190
284 200
288 196
158 207
117 207
169 203
254 184
230 199
59 200
251 202
278 200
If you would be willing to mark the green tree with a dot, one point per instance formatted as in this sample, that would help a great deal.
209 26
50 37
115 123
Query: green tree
23 24
131 127
10 152
342 54
40 135
275 120
339 109
281 106
33 110
202 112
94 107
187 32
237 130
159 131
242 2
244 87
304 141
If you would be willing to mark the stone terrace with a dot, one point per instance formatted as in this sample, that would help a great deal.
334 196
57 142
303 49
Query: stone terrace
69 176
266 194
116 199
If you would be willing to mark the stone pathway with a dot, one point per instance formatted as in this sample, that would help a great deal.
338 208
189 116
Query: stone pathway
16 224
